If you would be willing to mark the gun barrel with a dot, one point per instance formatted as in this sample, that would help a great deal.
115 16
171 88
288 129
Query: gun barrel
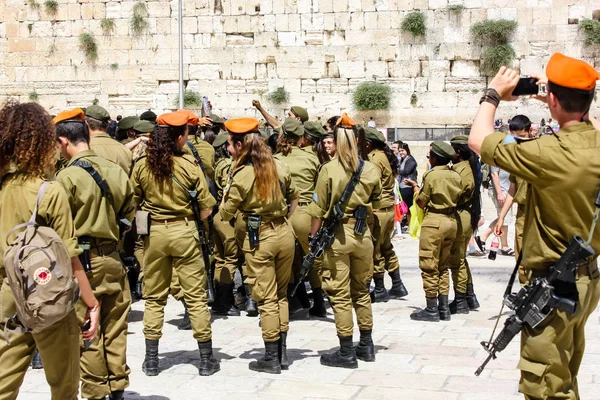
482 367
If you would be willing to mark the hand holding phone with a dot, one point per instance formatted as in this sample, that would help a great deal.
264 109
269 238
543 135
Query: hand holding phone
84 328
526 86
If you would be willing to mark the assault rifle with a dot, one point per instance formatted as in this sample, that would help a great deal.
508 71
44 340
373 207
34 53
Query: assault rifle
535 301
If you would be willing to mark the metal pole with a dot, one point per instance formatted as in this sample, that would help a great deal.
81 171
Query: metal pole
180 53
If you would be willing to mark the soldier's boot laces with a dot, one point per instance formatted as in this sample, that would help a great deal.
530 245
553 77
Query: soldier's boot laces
471 298
185 324
365 350
443 307
345 357
208 363
117 395
36 361
430 313
379 294
150 365
282 351
459 304
223 304
398 290
318 308
270 362
251 306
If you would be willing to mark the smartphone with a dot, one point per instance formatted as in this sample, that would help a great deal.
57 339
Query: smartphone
526 86
85 327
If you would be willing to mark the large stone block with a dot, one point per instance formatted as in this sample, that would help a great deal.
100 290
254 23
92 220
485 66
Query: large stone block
352 69
465 69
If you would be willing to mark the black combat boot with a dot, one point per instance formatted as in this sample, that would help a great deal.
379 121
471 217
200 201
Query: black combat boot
345 357
398 290
208 364
294 305
302 296
443 307
318 308
459 304
282 351
471 298
379 294
270 362
36 361
365 350
117 395
223 304
251 306
150 365
430 314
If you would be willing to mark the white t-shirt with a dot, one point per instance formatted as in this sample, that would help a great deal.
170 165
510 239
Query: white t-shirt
371 124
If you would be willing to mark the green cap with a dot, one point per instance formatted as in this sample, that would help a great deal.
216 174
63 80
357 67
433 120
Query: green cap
143 126
300 112
127 123
221 139
460 140
293 127
374 135
216 120
443 149
313 129
148 116
97 112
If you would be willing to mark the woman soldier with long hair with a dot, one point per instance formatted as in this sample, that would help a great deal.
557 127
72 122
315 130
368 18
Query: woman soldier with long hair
347 264
469 212
259 192
173 242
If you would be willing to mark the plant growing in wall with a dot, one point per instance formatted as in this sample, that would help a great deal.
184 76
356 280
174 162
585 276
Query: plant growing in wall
88 45
413 99
114 66
414 23
278 96
33 96
372 96
456 9
138 23
108 26
495 35
191 98
591 31
51 7
52 49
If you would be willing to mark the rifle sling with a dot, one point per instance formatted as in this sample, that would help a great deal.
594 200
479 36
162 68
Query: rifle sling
354 179
196 156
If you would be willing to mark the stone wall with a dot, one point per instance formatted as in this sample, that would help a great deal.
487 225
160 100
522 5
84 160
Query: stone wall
239 50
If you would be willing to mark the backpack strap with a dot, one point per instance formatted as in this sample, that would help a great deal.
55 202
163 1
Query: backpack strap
31 221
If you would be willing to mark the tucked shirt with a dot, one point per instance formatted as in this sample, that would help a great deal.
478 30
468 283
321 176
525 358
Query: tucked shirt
463 169
442 188
563 173
93 214
107 147
304 168
380 160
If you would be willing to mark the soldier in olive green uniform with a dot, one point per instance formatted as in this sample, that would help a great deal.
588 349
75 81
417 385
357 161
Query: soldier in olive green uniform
347 264
260 190
148 116
557 208
383 254
469 212
23 167
101 142
442 188
173 242
104 370
125 131
205 150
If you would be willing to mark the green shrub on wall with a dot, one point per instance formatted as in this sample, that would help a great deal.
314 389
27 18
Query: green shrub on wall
495 34
88 45
51 7
278 96
414 23
138 23
495 57
372 96
108 26
591 31
191 98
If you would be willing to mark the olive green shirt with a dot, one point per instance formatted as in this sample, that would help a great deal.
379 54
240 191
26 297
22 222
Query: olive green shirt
222 175
442 188
107 147
521 193
93 214
309 149
331 183
206 153
380 160
304 168
168 200
463 169
240 194
18 195
563 173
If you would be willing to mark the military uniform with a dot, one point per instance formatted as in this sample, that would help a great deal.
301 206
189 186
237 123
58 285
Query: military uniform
107 147
519 198
58 344
103 365
206 153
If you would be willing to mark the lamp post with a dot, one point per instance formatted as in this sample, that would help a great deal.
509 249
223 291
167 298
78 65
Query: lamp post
180 9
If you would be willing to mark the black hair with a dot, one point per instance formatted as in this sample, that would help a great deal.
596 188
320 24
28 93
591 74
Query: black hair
519 123
76 132
211 132
272 142
192 130
405 147
97 125
572 100
331 122
464 153
361 137
398 143
393 160
221 152
439 160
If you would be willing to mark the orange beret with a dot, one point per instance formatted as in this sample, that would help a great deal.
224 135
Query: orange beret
241 126
76 114
172 119
192 118
571 73
345 121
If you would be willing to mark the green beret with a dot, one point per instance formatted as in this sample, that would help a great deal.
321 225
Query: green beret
313 129
293 127
221 139
216 120
97 112
143 126
373 134
148 116
300 113
460 140
127 123
443 149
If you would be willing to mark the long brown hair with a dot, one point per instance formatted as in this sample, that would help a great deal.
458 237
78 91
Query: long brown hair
285 143
256 152
160 150
26 138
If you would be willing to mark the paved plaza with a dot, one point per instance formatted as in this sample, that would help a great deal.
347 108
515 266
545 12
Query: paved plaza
415 360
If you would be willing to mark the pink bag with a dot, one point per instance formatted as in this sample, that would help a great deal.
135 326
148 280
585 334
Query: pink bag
403 207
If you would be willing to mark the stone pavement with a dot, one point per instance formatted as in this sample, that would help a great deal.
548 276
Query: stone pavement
415 360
